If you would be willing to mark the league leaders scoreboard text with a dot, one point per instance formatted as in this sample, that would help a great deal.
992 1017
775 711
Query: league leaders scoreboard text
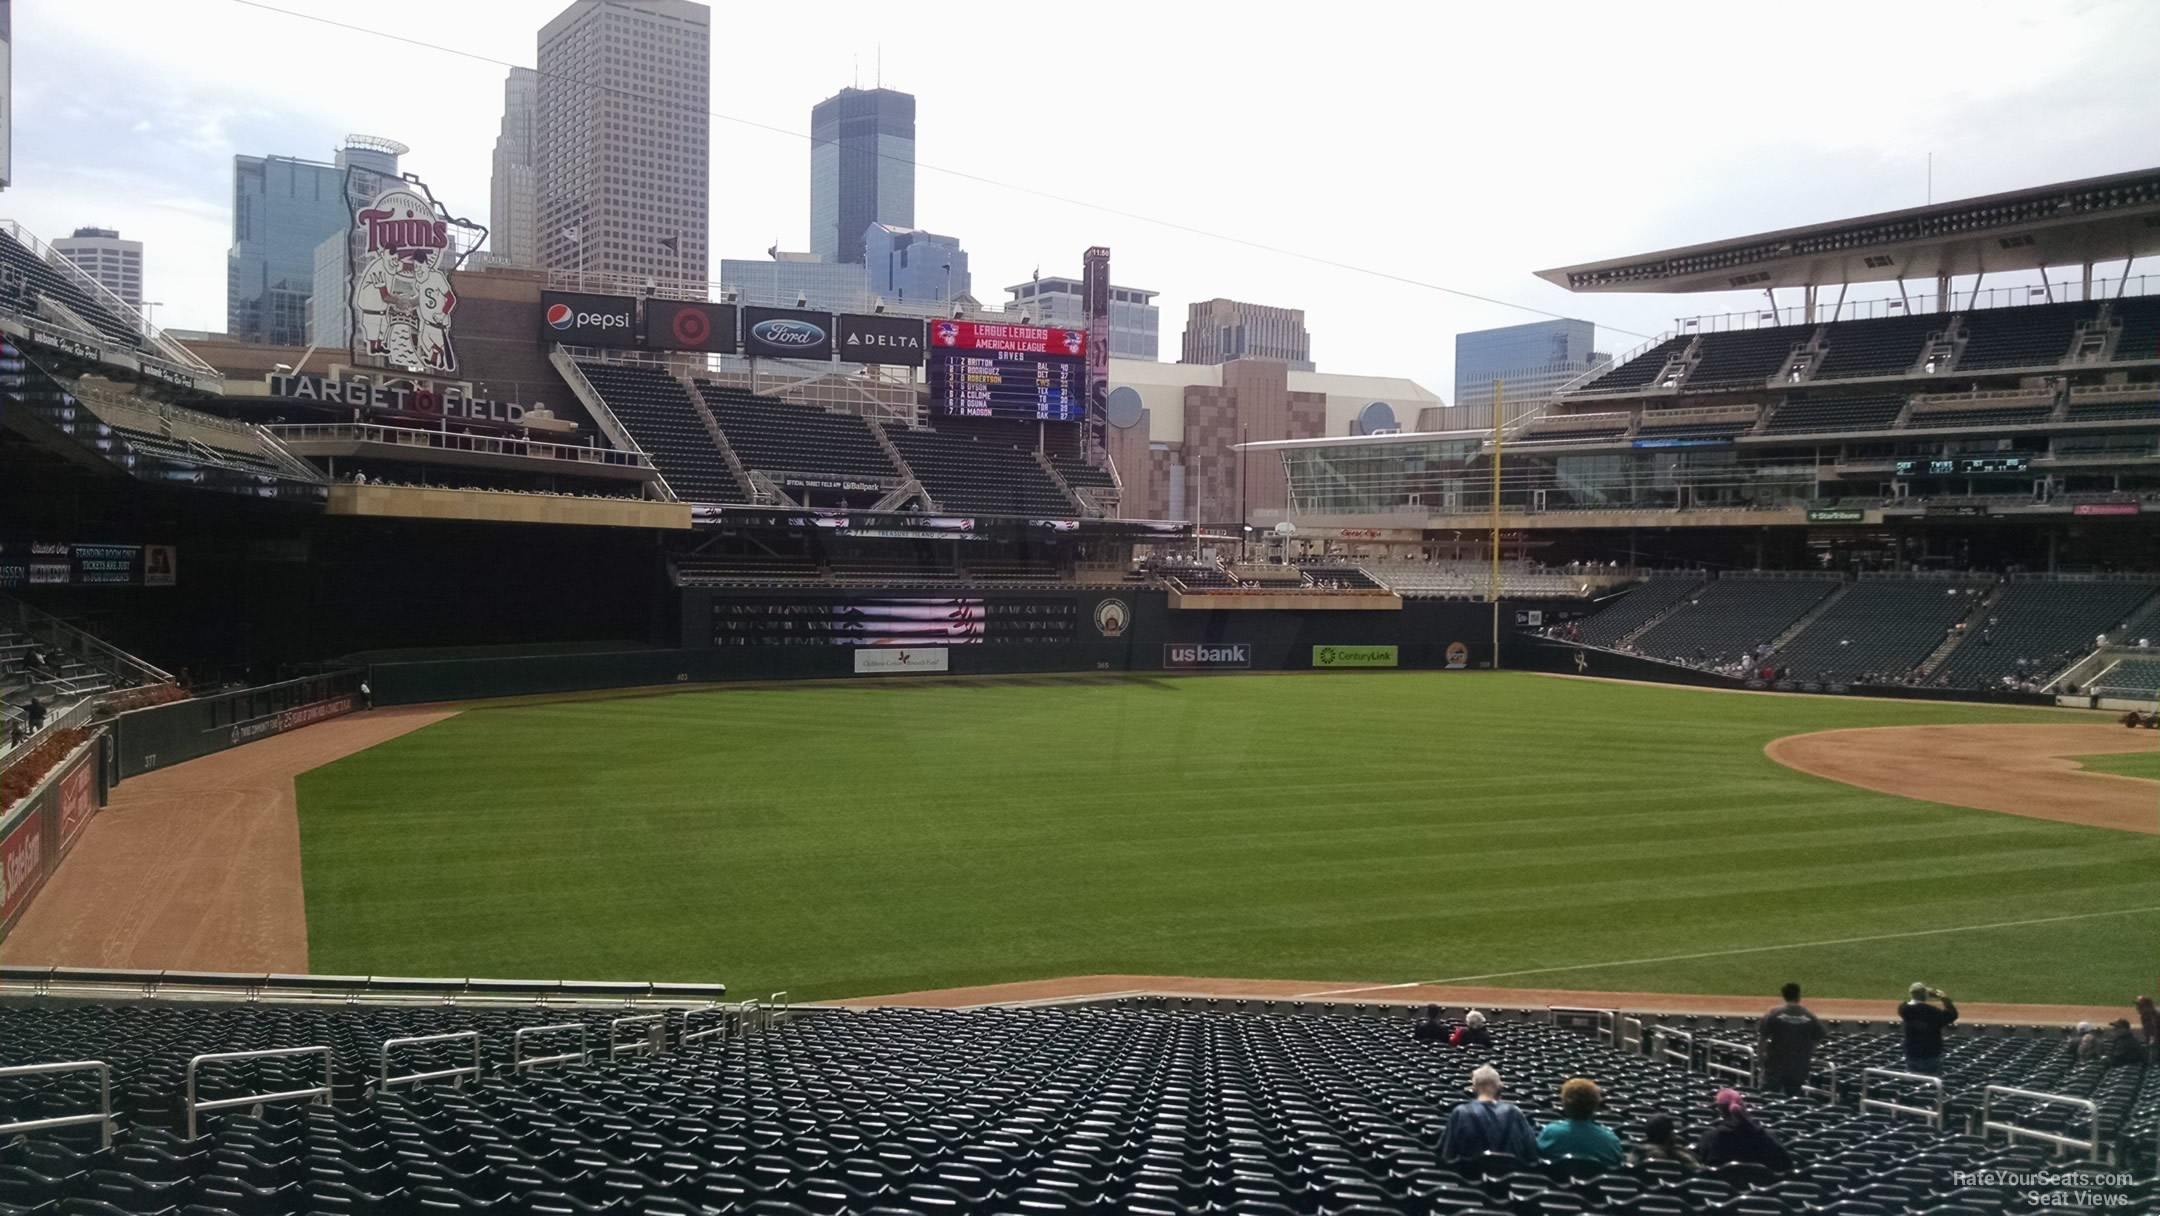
1008 371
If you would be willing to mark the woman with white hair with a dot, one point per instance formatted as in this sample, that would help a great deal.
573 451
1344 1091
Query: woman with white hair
1485 1124
1472 1032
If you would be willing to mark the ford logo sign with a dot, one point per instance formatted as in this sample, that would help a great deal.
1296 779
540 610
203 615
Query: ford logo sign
786 331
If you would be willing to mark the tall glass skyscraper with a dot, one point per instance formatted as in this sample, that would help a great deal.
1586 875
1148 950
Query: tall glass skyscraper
1529 361
862 169
908 264
283 207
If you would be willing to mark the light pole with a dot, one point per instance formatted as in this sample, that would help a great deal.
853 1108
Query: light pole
147 305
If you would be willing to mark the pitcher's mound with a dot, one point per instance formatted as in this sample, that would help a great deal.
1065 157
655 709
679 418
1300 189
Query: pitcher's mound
2013 768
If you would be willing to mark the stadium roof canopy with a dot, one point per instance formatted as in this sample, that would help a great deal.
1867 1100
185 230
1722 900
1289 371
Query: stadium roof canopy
2098 219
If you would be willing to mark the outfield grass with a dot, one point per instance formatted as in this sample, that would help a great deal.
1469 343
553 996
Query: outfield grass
2129 764
860 838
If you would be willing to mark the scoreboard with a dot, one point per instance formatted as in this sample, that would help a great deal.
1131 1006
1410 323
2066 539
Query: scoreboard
1008 371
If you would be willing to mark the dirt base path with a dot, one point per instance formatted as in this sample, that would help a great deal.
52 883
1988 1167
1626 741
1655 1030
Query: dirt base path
197 867
2010 768
1083 987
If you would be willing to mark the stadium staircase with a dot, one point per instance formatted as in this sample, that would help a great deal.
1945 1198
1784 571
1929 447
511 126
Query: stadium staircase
1620 623
761 489
1813 615
80 669
596 406
1953 635
911 486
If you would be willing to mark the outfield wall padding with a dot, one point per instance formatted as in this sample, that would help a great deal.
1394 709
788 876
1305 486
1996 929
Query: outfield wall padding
1109 630
38 831
161 735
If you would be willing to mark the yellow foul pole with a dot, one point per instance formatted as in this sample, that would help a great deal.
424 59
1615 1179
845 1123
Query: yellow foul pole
1494 590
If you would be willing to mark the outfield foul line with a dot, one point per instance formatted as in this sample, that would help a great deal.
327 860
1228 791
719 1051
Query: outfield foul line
1682 958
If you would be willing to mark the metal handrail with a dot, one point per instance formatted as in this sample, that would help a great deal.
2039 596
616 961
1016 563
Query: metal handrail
103 1117
1664 1036
2014 1131
1713 1049
314 1092
28 616
650 1043
1633 1043
1828 1093
518 1062
1934 1114
385 1080
1606 1022
487 445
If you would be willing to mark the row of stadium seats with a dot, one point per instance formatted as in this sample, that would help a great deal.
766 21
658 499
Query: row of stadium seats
1819 411
1878 626
1616 619
1730 618
2035 629
25 278
780 439
2137 679
1093 1110
1470 579
967 474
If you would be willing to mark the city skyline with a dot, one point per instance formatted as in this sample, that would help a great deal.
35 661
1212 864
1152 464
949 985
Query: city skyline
997 176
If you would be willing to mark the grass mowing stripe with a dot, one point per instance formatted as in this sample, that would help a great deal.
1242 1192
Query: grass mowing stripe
844 839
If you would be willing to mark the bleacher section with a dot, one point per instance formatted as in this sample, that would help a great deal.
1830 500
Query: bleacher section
2034 336
1639 371
1866 412
783 440
1577 428
25 277
1732 616
1637 608
1471 579
918 1112
1887 347
2019 415
742 568
2141 405
962 473
2038 628
1082 476
657 411
2139 317
1744 358
1882 627
2134 679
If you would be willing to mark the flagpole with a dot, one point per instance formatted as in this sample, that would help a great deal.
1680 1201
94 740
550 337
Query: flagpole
1496 434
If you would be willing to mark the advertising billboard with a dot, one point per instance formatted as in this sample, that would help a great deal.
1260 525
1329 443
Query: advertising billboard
1354 656
1024 372
787 333
690 325
867 338
577 318
901 660
1203 656
399 255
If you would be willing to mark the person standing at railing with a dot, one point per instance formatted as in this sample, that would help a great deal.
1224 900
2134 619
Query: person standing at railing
1925 1012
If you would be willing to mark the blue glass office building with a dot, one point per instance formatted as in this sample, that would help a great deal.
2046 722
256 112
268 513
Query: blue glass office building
908 264
283 207
862 169
1530 361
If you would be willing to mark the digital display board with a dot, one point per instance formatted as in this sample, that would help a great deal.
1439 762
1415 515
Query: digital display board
1008 371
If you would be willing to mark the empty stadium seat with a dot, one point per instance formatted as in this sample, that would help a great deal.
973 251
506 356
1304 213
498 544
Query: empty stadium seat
2034 336
1639 371
1630 612
2020 415
2139 320
786 441
1744 358
1886 347
25 277
1819 413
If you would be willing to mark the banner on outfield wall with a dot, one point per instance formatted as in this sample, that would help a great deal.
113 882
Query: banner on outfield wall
900 660
1206 656
289 719
1355 656
39 831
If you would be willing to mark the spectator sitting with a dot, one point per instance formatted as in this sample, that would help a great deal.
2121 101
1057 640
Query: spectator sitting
2119 1045
2149 1022
1472 1032
1736 1136
1577 1133
1431 1029
2084 1041
1485 1124
1661 1142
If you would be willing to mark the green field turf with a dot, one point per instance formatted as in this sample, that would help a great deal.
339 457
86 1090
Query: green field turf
2129 764
841 839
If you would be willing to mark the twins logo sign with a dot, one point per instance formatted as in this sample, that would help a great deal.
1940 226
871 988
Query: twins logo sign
399 255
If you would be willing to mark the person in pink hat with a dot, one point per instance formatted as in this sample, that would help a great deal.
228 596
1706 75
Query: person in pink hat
1736 1136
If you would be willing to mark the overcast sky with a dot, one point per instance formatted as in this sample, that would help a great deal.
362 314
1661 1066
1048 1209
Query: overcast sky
1455 144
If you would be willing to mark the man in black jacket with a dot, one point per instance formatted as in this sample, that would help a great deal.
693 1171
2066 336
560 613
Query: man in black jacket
1925 1013
1789 1034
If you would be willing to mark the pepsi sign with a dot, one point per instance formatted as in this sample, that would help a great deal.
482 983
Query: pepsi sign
787 333
576 318
690 325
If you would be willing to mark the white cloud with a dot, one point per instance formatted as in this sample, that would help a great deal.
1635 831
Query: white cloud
1464 145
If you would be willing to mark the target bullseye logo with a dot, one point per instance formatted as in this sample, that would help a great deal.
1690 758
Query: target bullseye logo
692 327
